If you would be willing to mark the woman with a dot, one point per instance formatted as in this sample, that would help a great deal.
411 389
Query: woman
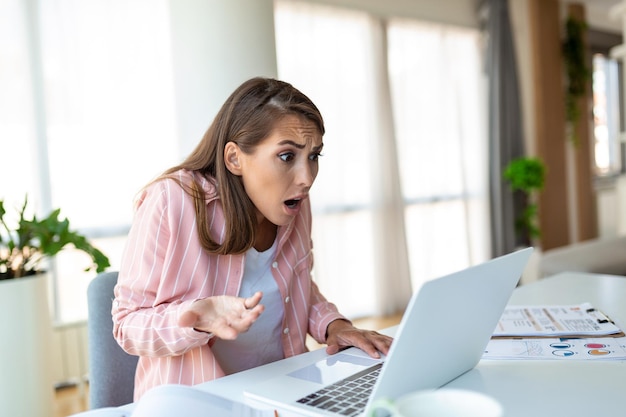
216 274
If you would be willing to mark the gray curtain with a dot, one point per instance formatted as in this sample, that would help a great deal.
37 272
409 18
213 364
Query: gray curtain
506 140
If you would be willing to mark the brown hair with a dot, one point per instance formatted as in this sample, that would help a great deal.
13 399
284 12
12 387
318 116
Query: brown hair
247 117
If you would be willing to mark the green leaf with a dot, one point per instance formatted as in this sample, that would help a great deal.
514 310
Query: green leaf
34 240
525 174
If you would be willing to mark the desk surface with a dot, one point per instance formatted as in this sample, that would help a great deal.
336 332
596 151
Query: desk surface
524 388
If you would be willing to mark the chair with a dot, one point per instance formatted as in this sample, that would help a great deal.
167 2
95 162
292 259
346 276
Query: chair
111 369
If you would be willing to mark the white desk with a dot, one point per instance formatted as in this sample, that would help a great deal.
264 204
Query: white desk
524 388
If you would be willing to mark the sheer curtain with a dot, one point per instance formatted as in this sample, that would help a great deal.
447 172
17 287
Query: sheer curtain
95 78
439 107
401 193
17 133
322 52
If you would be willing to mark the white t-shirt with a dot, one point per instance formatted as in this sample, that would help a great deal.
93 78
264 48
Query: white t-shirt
261 344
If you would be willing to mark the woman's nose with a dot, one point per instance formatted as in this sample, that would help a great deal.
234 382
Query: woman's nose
305 175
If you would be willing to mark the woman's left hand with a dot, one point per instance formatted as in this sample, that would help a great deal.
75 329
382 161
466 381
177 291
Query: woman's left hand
342 334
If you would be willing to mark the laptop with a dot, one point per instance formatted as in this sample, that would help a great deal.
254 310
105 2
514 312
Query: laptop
443 334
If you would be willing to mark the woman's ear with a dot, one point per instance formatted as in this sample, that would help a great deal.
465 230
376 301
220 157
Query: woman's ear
231 158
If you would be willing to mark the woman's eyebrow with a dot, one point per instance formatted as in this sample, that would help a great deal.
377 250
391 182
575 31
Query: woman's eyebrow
292 143
300 145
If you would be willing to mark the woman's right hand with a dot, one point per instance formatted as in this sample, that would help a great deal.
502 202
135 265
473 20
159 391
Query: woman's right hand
223 315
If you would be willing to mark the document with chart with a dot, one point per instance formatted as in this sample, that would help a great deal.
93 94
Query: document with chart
603 348
557 332
580 320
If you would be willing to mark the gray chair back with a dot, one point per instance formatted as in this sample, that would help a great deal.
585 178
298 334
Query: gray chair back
111 369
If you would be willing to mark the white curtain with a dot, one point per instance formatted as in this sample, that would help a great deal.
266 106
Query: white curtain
109 96
86 117
17 132
439 107
400 197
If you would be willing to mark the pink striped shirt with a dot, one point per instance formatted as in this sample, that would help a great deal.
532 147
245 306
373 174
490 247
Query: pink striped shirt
164 269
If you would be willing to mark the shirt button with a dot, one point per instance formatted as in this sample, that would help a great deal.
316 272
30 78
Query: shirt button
275 265
287 299
286 331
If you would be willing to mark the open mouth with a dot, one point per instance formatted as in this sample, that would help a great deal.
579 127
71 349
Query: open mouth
292 203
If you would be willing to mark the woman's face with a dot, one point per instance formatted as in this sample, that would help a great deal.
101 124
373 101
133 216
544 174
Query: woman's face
279 172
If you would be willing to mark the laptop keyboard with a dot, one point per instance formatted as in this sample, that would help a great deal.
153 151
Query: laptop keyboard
347 397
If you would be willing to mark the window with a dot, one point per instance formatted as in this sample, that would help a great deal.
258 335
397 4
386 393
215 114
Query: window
606 116
350 63
402 177
82 74
437 89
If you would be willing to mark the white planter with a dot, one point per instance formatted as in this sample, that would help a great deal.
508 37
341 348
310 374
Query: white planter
26 386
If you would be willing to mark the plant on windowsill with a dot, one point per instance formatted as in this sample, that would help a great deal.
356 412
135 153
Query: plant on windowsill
27 243
527 175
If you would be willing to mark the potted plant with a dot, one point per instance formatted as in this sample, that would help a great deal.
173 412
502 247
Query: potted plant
31 241
25 243
527 175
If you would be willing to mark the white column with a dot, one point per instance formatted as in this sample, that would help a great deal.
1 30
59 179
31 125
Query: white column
216 45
